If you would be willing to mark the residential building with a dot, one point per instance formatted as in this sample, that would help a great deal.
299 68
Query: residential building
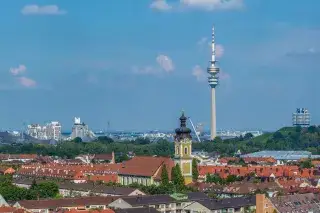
85 211
80 130
163 203
308 203
230 205
68 189
258 171
104 158
301 117
183 149
3 202
263 204
51 130
8 209
36 131
52 205
76 173
137 210
283 155
24 158
6 170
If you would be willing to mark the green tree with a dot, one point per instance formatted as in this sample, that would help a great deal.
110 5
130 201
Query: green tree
164 175
47 189
195 172
248 135
33 184
174 175
307 164
105 139
77 140
179 178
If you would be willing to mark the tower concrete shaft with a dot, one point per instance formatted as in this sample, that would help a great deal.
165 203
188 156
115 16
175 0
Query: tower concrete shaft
213 81
213 128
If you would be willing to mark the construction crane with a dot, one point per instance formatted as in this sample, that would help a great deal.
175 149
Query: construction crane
194 129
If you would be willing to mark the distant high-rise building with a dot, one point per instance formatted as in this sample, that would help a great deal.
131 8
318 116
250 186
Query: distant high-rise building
301 117
51 130
79 129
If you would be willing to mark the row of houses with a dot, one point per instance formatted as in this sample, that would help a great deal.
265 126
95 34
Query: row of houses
176 203
68 189
145 170
258 171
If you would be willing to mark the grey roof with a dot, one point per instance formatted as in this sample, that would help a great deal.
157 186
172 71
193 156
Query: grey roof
237 202
149 200
137 210
65 202
85 187
282 155
193 196
297 203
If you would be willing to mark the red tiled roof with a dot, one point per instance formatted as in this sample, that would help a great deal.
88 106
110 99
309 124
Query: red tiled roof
145 166
260 171
8 209
88 211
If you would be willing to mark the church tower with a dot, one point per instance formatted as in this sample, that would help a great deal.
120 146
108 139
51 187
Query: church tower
183 149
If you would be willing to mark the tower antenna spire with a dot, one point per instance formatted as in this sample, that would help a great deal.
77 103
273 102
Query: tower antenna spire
213 48
213 81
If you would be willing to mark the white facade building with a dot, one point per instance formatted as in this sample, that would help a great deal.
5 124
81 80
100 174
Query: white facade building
49 131
301 117
80 130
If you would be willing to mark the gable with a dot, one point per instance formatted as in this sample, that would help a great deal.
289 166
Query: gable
119 204
197 207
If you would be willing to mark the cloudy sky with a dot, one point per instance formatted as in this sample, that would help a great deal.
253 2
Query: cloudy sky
137 64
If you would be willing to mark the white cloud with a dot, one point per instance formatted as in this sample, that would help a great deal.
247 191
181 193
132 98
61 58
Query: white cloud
27 82
42 10
18 70
161 5
199 73
165 63
210 5
219 50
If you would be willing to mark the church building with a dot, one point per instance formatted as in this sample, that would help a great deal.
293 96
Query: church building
183 149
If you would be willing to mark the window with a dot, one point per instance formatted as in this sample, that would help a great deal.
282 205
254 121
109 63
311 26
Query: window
186 150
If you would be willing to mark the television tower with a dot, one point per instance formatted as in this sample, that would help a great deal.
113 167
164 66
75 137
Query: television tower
213 80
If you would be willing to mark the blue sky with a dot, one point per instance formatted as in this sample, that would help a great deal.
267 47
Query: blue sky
136 64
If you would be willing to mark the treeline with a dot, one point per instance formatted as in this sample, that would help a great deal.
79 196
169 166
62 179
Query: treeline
103 145
11 192
288 138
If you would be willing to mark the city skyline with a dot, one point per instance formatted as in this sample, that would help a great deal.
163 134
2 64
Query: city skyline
137 64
